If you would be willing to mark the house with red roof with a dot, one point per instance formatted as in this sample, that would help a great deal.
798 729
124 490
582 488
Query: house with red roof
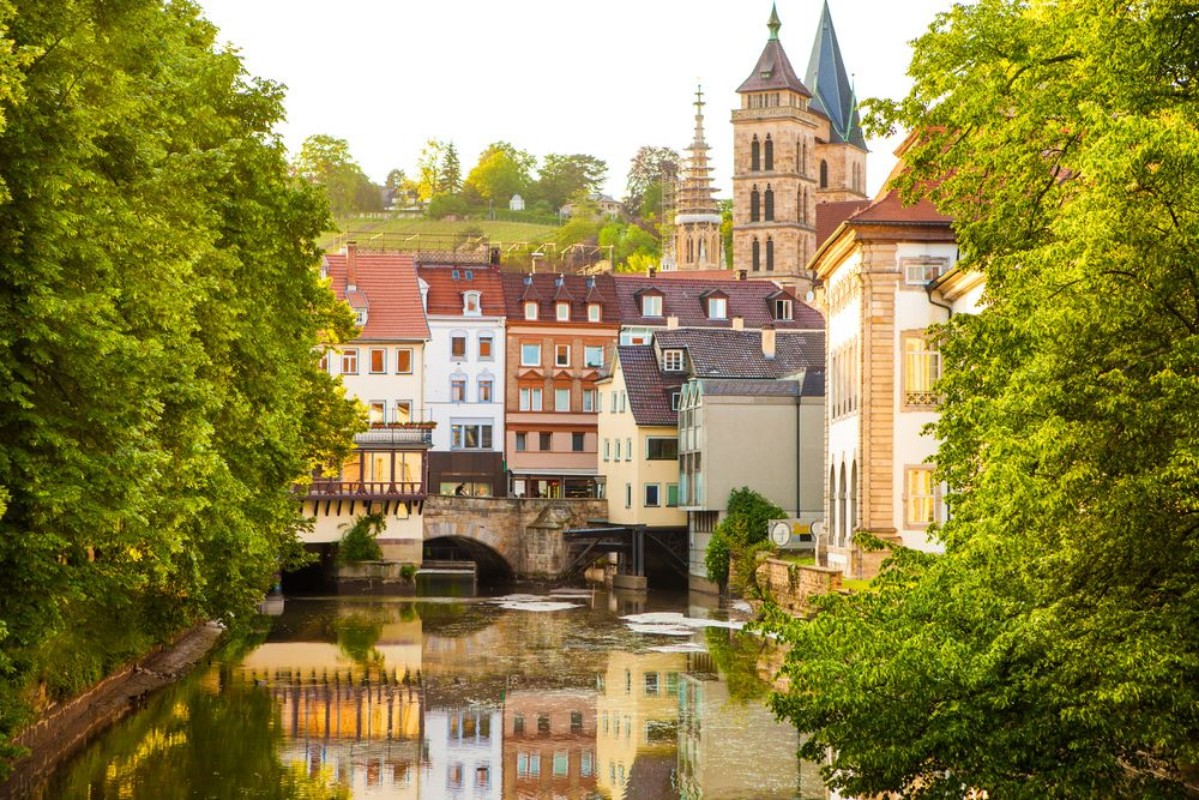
383 368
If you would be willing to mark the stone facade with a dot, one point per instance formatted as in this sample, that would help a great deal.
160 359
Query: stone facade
792 585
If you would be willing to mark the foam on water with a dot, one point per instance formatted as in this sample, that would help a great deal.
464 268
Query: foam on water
672 620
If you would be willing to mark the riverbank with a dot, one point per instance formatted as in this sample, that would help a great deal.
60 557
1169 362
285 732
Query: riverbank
67 726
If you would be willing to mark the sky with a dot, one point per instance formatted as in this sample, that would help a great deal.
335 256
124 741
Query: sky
548 76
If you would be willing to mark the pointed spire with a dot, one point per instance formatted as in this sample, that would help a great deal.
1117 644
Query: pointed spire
833 91
774 23
699 119
695 194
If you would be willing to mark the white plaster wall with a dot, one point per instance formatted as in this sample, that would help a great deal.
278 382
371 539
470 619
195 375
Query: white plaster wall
388 386
439 366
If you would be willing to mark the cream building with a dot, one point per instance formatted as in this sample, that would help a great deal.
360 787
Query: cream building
795 144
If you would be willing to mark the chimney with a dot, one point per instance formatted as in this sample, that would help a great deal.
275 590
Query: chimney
672 322
738 323
652 271
351 266
768 341
742 274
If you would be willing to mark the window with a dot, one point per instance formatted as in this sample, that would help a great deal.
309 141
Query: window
920 271
458 346
470 435
594 312
769 253
769 154
585 766
661 448
755 205
593 355
360 317
590 401
482 777
518 723
617 450
349 361
718 307
768 206
378 360
562 311
576 722
613 395
607 449
757 255
672 495
672 360
576 442
652 492
755 154
403 411
561 763
404 361
323 363
628 493
561 355
530 309
530 398
486 347
485 390
562 399
458 390
470 304
628 449
674 401
921 368
530 355
782 309
920 499
651 683
651 305
624 396
823 174
522 444
546 441
377 411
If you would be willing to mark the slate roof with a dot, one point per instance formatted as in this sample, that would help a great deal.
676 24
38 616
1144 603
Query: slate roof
741 387
448 283
388 289
684 298
829 82
738 354
649 389
543 288
773 70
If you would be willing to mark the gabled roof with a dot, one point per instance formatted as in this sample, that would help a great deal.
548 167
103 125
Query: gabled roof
387 286
447 284
830 215
684 299
829 82
648 388
542 288
738 354
773 70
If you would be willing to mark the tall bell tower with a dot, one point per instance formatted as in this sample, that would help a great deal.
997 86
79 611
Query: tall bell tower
697 217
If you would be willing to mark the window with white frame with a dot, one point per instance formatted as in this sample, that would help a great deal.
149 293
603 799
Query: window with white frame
628 449
672 495
458 345
613 396
562 311
522 441
624 396
617 458
471 305
360 316
921 271
530 398
782 308
920 499
377 410
349 361
653 495
590 401
323 363
594 312
486 346
530 309
458 388
378 360
651 305
404 361
628 495
403 411
593 356
674 401
921 369
561 355
485 389
530 354
562 398
718 308
672 360
470 434
607 449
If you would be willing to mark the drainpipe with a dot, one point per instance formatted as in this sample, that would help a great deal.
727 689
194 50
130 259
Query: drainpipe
928 289
799 445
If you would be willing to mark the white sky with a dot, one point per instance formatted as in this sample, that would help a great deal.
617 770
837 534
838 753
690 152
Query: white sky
549 76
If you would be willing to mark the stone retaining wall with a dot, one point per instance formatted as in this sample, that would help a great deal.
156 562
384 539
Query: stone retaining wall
791 585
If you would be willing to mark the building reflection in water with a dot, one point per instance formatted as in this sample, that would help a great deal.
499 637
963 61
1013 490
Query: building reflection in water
549 744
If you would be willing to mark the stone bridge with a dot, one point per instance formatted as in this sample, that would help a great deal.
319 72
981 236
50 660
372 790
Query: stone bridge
518 536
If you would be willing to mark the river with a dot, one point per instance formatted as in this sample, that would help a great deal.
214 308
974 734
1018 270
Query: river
584 694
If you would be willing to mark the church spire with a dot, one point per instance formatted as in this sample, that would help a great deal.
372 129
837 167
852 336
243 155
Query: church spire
695 193
774 23
833 91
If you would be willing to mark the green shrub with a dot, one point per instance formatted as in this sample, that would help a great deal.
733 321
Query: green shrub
408 572
739 537
358 543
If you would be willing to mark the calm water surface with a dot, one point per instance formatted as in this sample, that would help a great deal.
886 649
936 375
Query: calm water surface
548 697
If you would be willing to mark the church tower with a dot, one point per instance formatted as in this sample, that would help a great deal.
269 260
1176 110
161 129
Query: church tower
697 218
787 156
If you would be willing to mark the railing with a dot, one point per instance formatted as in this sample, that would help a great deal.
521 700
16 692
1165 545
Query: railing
382 436
922 398
333 489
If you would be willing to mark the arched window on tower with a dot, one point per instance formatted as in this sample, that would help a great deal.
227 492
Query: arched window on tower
833 529
823 174
769 201
801 208
841 501
755 162
769 153
755 201
769 254
851 513
757 255
690 250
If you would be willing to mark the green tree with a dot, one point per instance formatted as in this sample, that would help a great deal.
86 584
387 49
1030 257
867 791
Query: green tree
429 167
502 171
1053 650
326 162
651 167
451 171
162 316
563 176
739 537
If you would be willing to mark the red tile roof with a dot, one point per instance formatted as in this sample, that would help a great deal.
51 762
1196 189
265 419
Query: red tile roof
447 284
888 209
831 215
543 287
696 274
750 300
387 289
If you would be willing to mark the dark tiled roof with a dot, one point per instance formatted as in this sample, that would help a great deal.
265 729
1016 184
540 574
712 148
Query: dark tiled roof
445 291
773 71
387 288
828 80
750 300
830 215
543 287
813 383
649 389
698 274
740 387
738 354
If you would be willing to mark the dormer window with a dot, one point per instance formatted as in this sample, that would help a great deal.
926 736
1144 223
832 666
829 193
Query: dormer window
471 305
594 312
718 308
562 311
530 309
672 360
651 305
360 317
674 401
782 309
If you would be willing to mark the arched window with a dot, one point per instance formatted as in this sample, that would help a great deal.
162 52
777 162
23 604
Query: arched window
769 203
833 531
755 201
801 208
841 500
755 163
823 174
769 153
757 255
690 250
769 254
852 511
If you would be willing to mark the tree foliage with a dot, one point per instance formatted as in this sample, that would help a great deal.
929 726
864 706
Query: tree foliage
1053 650
563 176
326 162
501 172
739 537
650 168
161 314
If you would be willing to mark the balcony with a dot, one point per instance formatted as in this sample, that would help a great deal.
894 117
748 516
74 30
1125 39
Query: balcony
334 489
396 435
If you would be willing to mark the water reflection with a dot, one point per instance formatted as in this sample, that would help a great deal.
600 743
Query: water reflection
461 698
